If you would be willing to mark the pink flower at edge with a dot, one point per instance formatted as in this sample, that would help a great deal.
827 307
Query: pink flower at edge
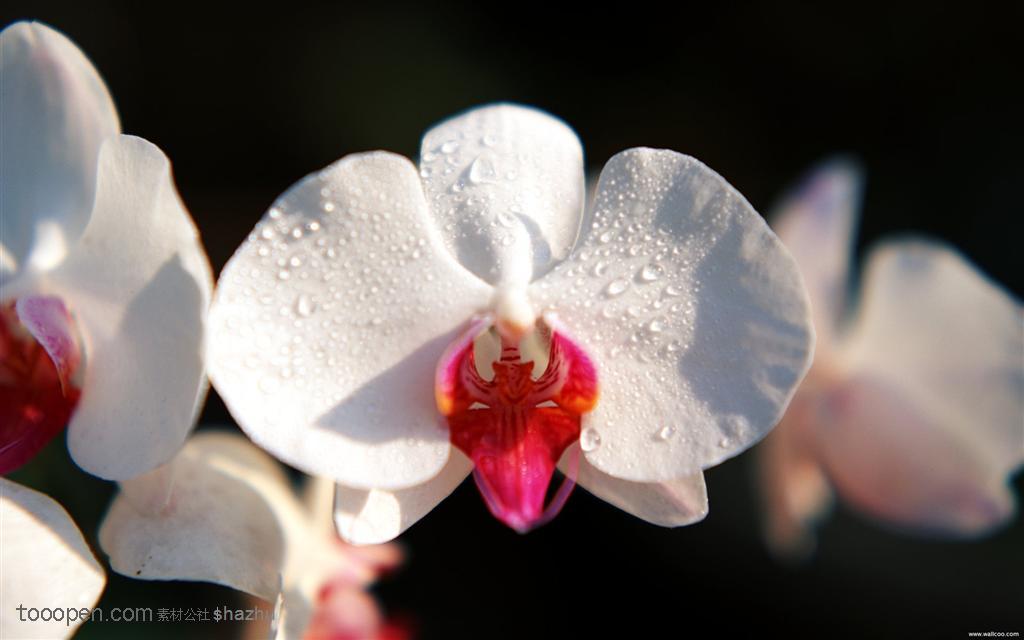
911 412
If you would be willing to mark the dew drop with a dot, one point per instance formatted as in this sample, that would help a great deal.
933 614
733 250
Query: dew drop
482 170
600 268
724 442
449 146
489 140
666 432
590 439
656 326
649 273
606 237
616 287
304 306
506 219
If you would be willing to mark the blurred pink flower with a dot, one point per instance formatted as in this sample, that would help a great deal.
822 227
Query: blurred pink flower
231 517
912 411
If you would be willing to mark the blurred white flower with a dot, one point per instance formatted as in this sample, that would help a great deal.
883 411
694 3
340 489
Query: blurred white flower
46 565
105 284
103 292
232 518
912 410
331 322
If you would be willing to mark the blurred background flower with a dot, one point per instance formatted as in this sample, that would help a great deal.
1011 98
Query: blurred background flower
911 412
247 102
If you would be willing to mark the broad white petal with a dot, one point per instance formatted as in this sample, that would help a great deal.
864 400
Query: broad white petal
56 113
505 185
899 461
330 319
673 503
816 222
44 562
379 515
693 312
938 333
227 519
139 284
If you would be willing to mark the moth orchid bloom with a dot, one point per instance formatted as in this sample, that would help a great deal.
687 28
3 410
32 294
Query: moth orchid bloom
104 282
46 565
911 412
268 543
396 328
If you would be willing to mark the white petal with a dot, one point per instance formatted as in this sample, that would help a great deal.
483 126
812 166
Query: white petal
139 284
225 521
44 562
505 184
900 462
330 319
56 113
673 503
816 222
693 312
948 341
379 515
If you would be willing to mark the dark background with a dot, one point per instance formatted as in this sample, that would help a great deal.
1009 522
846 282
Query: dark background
246 100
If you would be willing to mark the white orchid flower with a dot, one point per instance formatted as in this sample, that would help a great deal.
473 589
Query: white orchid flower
380 314
264 540
104 281
50 579
912 410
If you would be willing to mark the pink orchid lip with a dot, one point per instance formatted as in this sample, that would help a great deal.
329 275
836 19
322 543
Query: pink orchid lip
39 358
515 427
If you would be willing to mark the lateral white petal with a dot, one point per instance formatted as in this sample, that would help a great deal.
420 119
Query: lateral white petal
693 311
816 222
674 503
44 562
949 341
900 462
330 319
225 521
139 284
505 185
56 113
379 515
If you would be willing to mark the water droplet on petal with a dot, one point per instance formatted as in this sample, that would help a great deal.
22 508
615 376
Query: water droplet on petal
616 287
656 326
304 306
590 439
449 146
606 237
666 432
649 273
482 170
724 442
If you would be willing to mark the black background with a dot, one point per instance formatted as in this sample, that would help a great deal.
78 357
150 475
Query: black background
246 100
